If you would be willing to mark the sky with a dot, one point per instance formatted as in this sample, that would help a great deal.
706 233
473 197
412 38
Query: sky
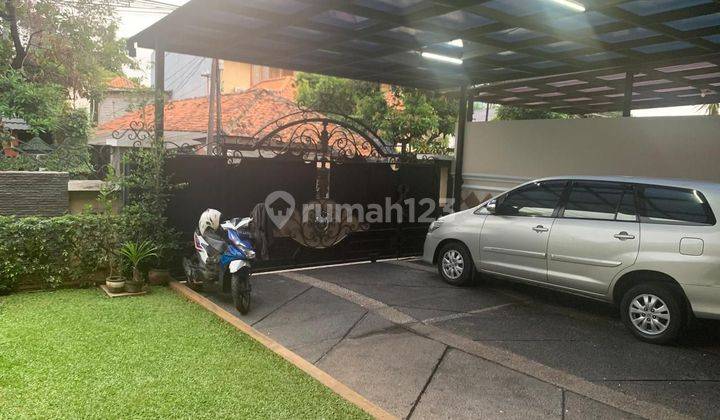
134 22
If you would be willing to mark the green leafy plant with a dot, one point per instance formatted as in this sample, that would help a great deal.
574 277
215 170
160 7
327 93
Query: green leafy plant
106 198
148 189
40 105
505 112
136 253
55 251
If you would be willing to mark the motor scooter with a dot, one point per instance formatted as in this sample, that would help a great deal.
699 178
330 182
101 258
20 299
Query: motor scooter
222 261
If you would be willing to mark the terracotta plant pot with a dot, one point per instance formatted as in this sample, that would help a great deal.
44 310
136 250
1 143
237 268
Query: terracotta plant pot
159 277
115 284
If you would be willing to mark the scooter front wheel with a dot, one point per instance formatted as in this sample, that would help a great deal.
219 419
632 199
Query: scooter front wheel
240 285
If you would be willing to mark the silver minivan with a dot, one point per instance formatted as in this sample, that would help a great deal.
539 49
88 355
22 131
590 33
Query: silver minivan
650 246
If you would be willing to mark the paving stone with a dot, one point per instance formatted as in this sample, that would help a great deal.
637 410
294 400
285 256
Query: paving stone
619 358
315 351
311 318
698 399
390 364
390 367
373 324
379 274
527 322
269 292
578 407
422 314
467 387
460 300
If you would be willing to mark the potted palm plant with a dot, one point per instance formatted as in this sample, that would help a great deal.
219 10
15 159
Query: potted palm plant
136 253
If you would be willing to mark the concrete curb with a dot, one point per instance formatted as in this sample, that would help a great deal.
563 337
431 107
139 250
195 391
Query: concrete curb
302 364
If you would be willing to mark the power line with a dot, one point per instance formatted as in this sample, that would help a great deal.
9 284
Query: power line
128 6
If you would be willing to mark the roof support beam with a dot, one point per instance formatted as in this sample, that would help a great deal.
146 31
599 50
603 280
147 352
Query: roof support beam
459 148
627 103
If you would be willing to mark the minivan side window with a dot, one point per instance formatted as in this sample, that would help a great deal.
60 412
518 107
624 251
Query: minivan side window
599 200
674 205
536 199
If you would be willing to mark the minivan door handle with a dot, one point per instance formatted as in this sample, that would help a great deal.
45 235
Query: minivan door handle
624 236
540 228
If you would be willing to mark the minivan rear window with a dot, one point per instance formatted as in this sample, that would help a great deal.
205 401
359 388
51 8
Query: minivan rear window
674 205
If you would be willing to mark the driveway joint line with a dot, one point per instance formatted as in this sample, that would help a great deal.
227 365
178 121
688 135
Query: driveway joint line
427 383
562 403
498 356
352 327
281 306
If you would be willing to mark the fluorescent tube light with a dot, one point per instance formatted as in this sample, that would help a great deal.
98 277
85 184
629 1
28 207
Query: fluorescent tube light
439 57
571 4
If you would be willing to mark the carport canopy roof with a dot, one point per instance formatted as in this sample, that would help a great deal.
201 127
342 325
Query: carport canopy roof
530 53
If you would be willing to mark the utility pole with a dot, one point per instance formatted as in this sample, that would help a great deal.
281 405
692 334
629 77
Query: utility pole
211 110
159 92
218 100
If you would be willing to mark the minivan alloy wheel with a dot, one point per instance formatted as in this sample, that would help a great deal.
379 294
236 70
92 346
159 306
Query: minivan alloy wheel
649 314
453 264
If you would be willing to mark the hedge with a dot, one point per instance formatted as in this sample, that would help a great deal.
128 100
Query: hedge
51 252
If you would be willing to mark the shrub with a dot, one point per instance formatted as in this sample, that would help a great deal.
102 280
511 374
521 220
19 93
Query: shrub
53 251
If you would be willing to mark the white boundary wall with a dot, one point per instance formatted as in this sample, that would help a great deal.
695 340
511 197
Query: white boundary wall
502 154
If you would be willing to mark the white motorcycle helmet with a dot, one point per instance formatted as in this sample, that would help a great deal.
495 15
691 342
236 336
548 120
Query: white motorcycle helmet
209 219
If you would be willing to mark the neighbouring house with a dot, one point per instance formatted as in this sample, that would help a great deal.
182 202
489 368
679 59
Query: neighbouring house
186 120
187 76
121 95
284 86
12 130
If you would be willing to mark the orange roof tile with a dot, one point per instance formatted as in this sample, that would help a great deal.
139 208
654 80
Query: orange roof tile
243 114
120 82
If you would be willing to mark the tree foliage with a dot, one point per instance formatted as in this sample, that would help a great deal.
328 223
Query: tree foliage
40 105
418 119
70 43
505 112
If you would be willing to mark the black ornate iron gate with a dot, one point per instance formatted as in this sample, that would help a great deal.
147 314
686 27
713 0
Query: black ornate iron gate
324 162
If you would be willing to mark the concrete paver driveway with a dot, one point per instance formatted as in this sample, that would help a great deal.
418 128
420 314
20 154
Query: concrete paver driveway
394 332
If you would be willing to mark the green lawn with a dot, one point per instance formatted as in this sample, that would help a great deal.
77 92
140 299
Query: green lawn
77 354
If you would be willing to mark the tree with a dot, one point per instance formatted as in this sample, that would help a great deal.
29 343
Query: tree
505 112
40 105
68 43
418 120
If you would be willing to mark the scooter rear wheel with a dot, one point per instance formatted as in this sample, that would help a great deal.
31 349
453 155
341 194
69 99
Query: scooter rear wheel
240 284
